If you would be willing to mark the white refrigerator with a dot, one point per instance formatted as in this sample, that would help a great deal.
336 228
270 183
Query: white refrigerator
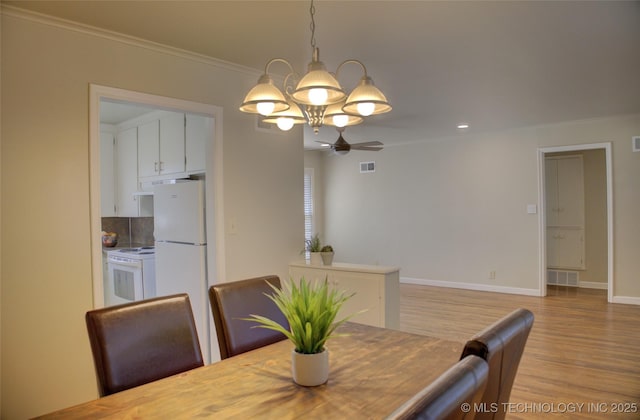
181 248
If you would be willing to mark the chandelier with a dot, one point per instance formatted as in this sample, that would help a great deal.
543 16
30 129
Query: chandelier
316 98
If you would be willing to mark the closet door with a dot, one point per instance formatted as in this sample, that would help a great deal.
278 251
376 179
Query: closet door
570 192
565 248
564 183
551 186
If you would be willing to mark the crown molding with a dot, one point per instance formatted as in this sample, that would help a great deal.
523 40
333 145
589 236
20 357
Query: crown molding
17 12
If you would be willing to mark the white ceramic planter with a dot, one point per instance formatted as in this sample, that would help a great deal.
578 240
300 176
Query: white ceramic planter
316 258
310 369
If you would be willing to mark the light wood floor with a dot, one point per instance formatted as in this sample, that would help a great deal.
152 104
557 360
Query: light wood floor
581 350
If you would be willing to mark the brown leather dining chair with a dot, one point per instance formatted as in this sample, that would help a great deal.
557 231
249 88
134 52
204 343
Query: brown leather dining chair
143 341
501 345
452 396
232 301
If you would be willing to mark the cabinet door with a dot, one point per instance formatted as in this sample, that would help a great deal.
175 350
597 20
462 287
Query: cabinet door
367 288
148 149
127 173
551 191
367 297
565 248
107 175
198 131
570 192
172 144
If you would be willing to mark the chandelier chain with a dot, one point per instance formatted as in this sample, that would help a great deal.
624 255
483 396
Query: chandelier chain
312 12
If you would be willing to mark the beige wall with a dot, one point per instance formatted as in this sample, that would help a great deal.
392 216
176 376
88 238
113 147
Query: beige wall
626 185
595 181
46 244
454 209
1 217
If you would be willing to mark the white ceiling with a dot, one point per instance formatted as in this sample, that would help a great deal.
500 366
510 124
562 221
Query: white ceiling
494 65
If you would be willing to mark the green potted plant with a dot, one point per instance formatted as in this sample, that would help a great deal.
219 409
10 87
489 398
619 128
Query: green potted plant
313 247
327 254
311 311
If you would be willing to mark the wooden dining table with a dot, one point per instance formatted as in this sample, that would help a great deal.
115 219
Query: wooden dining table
372 371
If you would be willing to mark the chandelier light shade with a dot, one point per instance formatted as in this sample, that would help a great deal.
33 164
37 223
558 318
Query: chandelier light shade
366 99
318 87
334 115
316 98
264 98
286 119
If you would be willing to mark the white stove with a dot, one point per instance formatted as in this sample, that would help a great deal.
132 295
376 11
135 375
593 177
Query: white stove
132 275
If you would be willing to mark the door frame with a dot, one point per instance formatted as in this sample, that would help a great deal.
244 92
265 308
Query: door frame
542 220
214 183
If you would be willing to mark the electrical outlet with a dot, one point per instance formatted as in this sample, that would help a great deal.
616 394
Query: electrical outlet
492 275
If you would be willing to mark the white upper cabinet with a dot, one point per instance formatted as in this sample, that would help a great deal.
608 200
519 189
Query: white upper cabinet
126 172
148 147
107 174
564 191
172 144
161 146
198 131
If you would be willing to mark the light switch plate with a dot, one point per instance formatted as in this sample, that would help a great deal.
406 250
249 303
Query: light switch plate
532 209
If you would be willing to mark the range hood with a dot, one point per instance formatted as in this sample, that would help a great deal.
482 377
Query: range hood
146 187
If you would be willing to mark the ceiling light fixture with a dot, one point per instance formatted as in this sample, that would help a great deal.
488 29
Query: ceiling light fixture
462 126
316 98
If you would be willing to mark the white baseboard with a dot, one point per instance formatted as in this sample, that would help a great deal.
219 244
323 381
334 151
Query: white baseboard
472 286
629 300
593 285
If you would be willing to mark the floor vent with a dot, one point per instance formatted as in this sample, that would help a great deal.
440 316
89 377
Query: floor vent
563 278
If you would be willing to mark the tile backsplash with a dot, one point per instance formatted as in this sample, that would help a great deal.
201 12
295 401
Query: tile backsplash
132 231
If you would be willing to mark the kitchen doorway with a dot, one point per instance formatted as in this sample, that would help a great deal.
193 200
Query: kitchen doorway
213 195
548 255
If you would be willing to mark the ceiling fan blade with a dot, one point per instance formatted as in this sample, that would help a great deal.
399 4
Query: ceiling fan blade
370 148
368 143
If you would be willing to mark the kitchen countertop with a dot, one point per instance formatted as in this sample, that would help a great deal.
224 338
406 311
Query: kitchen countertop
338 266
122 245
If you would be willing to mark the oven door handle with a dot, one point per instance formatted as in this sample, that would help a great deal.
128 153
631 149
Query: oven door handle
125 263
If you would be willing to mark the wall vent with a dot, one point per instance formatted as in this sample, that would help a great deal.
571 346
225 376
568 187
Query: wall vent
563 278
635 143
266 127
366 167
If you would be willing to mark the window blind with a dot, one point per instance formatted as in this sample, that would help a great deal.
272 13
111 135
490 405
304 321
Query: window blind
308 203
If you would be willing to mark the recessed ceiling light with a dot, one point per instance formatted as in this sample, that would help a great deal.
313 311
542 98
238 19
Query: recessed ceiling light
462 126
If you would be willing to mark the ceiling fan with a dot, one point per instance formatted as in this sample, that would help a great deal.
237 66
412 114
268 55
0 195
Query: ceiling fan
341 146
